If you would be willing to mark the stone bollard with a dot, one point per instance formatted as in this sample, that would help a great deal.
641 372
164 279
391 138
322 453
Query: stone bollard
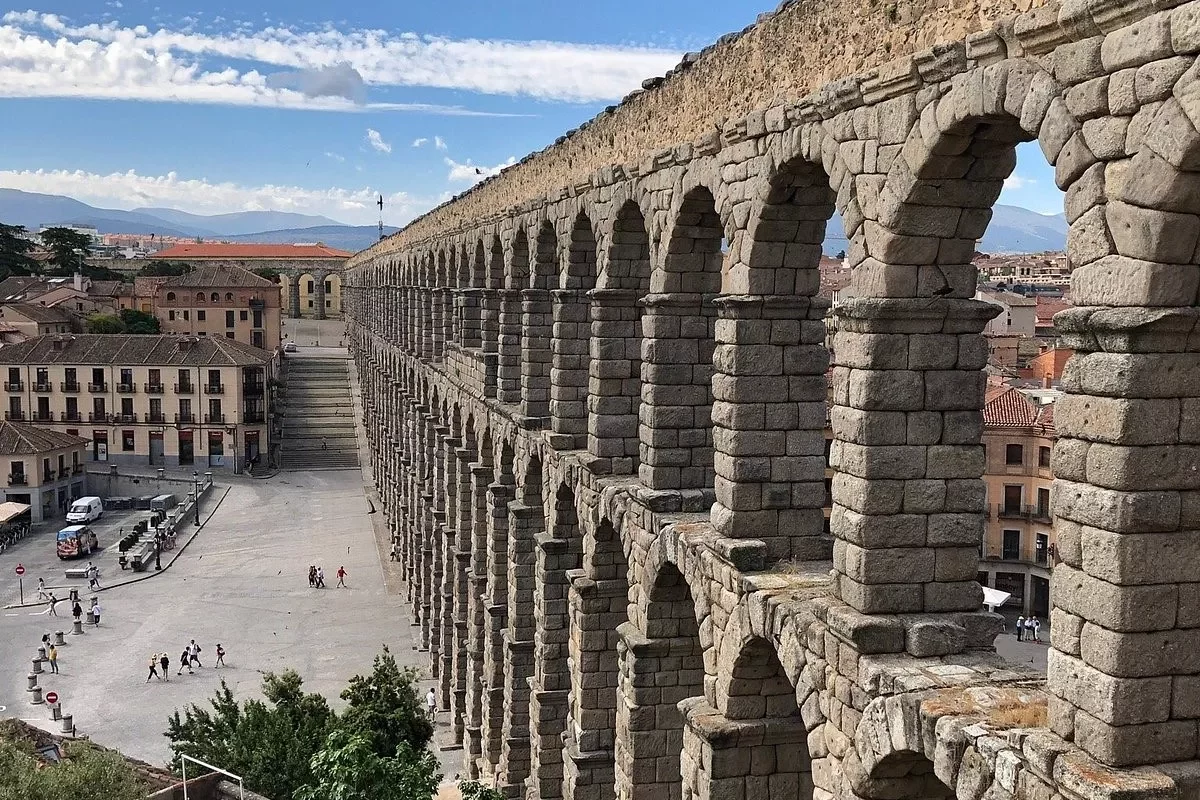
42 652
78 627
58 637
32 682
37 666
55 712
90 618
37 697
68 724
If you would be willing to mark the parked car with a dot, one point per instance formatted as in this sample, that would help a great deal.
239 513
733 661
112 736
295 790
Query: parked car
290 347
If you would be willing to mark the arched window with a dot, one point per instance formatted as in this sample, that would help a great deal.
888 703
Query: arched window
215 296
229 296
200 296
170 295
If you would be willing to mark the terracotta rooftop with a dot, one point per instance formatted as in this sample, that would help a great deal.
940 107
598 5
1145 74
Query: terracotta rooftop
247 251
19 439
218 275
1008 407
128 349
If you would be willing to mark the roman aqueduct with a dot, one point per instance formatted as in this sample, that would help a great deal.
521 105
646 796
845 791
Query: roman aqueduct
596 388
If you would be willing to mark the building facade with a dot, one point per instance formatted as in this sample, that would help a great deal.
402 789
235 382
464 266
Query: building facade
43 468
220 300
153 400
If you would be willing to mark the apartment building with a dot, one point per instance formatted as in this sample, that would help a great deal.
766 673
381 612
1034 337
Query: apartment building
151 400
1018 544
221 300
34 319
44 468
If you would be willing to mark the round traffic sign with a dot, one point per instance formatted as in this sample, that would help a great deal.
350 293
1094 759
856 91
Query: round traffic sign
20 569
51 697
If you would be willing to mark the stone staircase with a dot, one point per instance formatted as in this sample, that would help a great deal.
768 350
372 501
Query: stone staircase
318 408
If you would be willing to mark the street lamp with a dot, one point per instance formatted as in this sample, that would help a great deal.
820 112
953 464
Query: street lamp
196 486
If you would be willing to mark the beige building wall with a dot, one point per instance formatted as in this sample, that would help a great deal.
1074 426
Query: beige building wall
147 415
256 313
46 481
308 294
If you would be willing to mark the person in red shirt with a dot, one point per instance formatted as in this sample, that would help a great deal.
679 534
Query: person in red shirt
341 573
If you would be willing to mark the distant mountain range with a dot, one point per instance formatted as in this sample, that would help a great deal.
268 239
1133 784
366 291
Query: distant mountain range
1012 229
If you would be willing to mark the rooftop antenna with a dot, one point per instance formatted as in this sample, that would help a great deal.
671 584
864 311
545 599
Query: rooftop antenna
381 218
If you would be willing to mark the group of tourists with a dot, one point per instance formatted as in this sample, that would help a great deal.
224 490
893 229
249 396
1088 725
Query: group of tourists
1028 629
316 577
190 657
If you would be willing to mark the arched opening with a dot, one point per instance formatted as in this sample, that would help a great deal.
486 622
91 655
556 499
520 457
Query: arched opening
170 295
572 334
668 647
536 323
559 552
598 600
481 481
472 275
306 286
333 294
500 493
494 282
676 430
615 364
508 373
905 775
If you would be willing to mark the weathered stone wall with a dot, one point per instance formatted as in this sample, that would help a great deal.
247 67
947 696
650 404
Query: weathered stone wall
782 58
699 632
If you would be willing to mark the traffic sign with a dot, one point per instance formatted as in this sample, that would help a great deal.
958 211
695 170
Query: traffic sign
51 697
20 569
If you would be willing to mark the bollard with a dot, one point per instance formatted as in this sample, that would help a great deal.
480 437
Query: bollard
37 697
55 712
68 724
42 652
90 618
78 627
32 682
37 666
58 637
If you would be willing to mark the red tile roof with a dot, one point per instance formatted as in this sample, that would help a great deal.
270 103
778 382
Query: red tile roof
244 251
1006 407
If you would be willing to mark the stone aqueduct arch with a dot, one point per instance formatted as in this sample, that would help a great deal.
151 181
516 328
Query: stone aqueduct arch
628 592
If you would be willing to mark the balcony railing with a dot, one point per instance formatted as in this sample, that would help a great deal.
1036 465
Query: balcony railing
18 479
94 417
43 387
71 416
184 388
1040 513
41 416
124 417
254 387
253 418
14 386
153 388
76 469
217 418
14 415
97 387
126 388
49 476
214 388
152 417
185 418
69 386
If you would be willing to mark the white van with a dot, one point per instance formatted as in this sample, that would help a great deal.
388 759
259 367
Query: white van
85 509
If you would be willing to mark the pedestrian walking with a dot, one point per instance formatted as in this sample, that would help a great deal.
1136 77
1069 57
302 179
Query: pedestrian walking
93 575
153 668
1037 628
431 704
164 661
324 443
76 611
1020 627
45 640
185 662
52 657
50 606
320 578
1029 629
194 653
220 656
341 573
312 576
41 590
96 612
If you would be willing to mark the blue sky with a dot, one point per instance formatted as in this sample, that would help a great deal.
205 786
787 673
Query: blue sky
314 107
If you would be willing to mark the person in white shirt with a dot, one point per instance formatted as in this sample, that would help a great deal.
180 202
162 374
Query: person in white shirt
1037 628
431 703
96 612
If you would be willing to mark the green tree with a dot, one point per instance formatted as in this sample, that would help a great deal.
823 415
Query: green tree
385 707
14 252
269 273
474 790
105 323
139 321
87 773
68 249
157 269
348 768
271 745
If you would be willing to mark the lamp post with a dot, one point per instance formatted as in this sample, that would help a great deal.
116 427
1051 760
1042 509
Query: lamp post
196 486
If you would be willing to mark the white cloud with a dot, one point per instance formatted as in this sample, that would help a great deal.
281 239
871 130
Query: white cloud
41 55
439 143
199 196
472 173
1016 182
375 139
420 142
335 156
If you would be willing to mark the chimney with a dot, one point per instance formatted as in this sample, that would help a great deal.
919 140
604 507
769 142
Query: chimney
185 343
78 282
